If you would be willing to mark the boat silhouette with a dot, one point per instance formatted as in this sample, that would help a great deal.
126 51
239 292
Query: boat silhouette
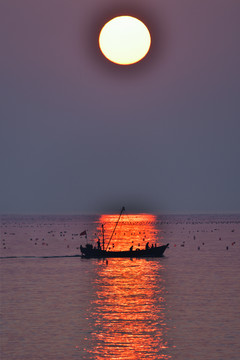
102 251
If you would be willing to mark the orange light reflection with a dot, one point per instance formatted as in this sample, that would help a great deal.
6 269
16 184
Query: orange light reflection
129 309
134 230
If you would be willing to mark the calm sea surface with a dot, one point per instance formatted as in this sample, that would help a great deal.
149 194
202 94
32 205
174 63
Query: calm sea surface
183 306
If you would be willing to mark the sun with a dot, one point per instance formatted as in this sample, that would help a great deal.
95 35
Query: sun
124 40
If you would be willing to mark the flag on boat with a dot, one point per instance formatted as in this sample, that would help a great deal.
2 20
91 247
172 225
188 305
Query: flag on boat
83 233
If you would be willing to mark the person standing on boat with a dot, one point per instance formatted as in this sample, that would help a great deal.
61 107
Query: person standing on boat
99 244
131 248
147 245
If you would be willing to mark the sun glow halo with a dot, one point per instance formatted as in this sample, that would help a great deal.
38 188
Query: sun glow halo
124 40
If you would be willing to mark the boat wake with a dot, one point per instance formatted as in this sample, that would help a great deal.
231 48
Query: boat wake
39 257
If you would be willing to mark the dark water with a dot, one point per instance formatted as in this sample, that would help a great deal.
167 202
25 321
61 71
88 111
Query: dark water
183 306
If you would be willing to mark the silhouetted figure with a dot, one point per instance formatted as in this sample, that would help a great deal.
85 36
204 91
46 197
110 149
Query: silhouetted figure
99 244
131 248
147 245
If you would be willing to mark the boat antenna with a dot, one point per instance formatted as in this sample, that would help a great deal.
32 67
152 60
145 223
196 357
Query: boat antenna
123 209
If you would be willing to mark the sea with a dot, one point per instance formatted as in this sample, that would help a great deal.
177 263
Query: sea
57 305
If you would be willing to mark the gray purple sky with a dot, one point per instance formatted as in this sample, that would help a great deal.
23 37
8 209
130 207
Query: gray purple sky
82 135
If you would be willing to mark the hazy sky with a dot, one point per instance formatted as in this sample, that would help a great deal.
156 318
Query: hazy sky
82 135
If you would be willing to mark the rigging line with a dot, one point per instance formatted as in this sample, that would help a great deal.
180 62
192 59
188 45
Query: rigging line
123 208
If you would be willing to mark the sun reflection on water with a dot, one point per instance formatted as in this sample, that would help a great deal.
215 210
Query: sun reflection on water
129 309
134 230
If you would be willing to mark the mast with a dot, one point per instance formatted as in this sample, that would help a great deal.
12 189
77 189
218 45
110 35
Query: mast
123 209
103 236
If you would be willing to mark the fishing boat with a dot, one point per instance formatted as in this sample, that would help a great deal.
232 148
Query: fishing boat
89 251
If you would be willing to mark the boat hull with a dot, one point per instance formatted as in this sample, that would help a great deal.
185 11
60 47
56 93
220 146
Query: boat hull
89 252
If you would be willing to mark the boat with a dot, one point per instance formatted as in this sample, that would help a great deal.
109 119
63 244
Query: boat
99 252
89 252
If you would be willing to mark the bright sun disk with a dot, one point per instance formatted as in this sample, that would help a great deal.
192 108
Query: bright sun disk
124 40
